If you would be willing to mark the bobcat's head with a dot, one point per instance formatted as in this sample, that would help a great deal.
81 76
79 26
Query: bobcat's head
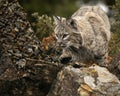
68 37
67 33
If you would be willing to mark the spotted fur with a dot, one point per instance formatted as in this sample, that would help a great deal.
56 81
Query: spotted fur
84 37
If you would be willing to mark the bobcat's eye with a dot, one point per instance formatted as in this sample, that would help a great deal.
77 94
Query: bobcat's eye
65 36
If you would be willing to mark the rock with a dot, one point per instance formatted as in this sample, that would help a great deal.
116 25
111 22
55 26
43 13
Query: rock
17 38
91 81
20 50
21 63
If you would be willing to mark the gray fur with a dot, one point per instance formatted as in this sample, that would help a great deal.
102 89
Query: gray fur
85 35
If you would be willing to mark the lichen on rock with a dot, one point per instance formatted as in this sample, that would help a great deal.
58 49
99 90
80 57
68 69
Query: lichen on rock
91 81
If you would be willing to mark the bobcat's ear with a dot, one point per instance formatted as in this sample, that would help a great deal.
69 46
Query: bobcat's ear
72 23
57 19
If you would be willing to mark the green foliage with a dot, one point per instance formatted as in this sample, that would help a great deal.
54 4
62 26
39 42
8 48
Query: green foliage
115 40
50 7
43 25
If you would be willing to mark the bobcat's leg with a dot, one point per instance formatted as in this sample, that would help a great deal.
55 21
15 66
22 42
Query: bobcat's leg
65 56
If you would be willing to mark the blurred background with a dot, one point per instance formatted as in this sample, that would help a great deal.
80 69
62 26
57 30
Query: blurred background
58 7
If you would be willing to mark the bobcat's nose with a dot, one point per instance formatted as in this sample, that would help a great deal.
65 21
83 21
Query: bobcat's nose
60 44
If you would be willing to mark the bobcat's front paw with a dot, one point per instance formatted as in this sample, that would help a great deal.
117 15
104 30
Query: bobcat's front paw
64 59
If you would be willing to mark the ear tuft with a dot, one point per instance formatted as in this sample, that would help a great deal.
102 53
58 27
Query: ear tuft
57 19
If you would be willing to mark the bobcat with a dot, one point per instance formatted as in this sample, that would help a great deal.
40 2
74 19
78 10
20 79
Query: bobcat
84 36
